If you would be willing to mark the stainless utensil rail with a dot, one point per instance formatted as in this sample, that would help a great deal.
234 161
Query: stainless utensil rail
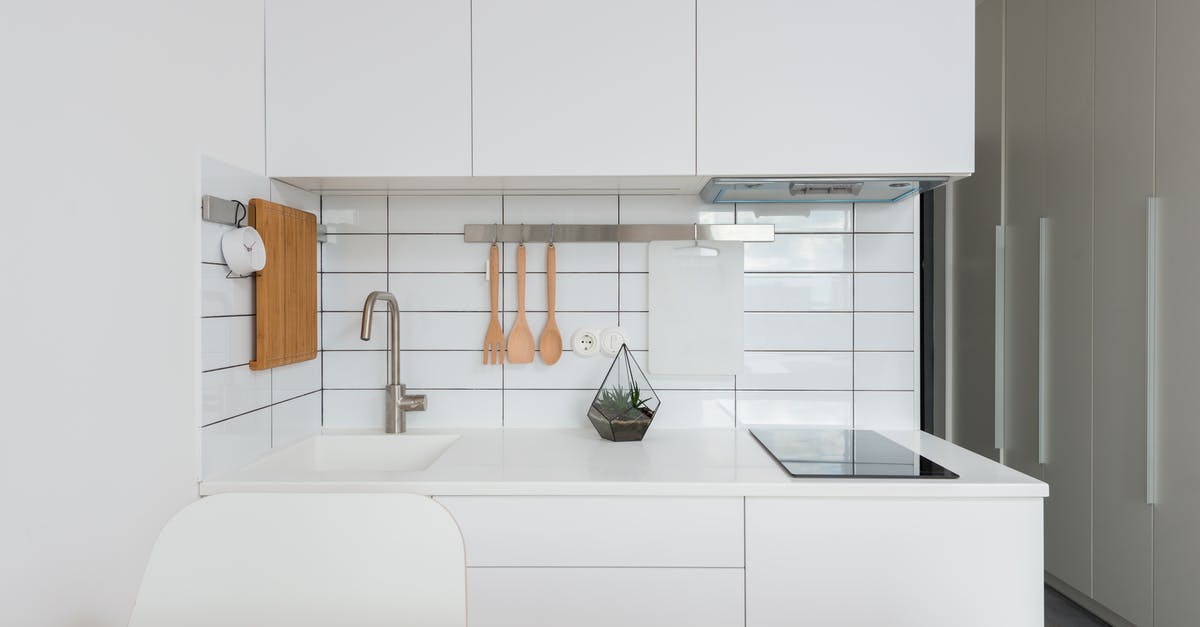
564 233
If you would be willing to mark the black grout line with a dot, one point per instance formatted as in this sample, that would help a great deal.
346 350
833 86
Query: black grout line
225 368
217 422
249 315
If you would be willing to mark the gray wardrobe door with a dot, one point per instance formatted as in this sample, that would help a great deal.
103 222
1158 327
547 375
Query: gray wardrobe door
1025 205
1177 163
972 228
1124 168
1069 150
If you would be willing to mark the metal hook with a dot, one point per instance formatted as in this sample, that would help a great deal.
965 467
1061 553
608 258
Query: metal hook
522 233
696 233
495 232
551 233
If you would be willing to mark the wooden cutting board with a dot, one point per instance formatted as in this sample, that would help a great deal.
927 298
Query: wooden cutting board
696 309
285 291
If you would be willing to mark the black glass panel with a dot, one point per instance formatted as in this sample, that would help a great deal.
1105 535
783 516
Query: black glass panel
845 453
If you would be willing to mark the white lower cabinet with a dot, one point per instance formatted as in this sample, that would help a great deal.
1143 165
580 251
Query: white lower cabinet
605 597
902 562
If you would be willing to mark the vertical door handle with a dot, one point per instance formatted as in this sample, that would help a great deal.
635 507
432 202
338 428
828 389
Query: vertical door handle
999 340
1043 362
1153 208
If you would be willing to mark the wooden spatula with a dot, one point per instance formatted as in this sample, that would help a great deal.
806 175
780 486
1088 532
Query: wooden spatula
493 341
550 344
520 338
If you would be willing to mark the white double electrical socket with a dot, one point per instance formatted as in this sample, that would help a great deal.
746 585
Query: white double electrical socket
588 342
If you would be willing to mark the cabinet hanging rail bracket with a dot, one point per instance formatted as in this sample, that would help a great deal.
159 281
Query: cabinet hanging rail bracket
562 233
221 211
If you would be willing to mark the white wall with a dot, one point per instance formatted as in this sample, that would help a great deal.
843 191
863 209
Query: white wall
106 108
830 323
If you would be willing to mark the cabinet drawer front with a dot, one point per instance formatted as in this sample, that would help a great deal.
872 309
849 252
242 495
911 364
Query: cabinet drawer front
599 531
603 597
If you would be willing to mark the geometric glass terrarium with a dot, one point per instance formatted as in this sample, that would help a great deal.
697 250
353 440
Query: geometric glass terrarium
625 403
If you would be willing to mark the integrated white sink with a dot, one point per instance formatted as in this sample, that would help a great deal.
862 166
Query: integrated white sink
366 452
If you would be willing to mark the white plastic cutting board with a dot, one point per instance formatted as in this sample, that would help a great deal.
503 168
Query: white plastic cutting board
696 309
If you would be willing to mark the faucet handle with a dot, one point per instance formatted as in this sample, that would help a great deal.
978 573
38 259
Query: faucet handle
412 402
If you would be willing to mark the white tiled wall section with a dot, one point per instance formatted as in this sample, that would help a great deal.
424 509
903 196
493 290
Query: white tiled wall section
244 413
829 312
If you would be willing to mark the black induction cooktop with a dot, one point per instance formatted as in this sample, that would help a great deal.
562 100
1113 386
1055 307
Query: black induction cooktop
809 452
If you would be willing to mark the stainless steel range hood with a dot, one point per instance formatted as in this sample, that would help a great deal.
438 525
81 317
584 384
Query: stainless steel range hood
814 190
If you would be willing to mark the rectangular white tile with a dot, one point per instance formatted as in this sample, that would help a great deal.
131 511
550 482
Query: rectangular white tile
458 409
681 382
636 327
797 371
633 257
231 444
295 420
355 369
886 217
442 292
634 291
441 214
884 292
884 410
547 408
883 252
210 241
568 257
795 408
799 331
884 371
226 341
348 292
355 253
572 372
694 409
220 296
449 369
799 292
354 214
435 253
573 292
672 209
296 198
798 217
355 409
568 323
233 391
561 209
295 379
883 331
443 331
802 253
341 331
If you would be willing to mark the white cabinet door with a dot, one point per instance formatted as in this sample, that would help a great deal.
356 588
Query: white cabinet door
1069 153
901 563
599 530
605 597
1177 153
567 87
835 87
368 88
1122 523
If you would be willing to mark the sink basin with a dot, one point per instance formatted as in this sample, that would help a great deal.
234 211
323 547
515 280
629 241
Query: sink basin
340 453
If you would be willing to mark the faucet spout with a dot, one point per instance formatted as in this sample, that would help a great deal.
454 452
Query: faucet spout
398 402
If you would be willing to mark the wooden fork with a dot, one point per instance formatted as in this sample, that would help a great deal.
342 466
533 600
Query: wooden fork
493 341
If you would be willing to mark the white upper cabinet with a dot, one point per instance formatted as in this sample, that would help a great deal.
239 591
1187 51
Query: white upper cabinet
368 88
835 87
567 87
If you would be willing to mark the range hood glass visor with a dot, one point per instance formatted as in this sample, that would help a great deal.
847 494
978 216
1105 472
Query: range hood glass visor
802 190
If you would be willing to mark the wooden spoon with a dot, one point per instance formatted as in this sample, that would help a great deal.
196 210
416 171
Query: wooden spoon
550 344
520 338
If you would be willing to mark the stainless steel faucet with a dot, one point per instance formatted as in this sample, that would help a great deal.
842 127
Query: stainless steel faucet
398 403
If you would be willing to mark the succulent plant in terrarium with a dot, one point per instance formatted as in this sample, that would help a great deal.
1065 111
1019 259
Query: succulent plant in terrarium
625 403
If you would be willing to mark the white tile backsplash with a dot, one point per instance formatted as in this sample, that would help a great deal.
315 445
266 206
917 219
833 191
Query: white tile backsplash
884 410
838 279
246 411
441 214
354 214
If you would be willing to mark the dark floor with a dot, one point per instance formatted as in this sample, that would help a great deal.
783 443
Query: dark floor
1062 612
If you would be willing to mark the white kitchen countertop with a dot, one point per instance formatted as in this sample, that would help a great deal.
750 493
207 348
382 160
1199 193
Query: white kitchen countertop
668 462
